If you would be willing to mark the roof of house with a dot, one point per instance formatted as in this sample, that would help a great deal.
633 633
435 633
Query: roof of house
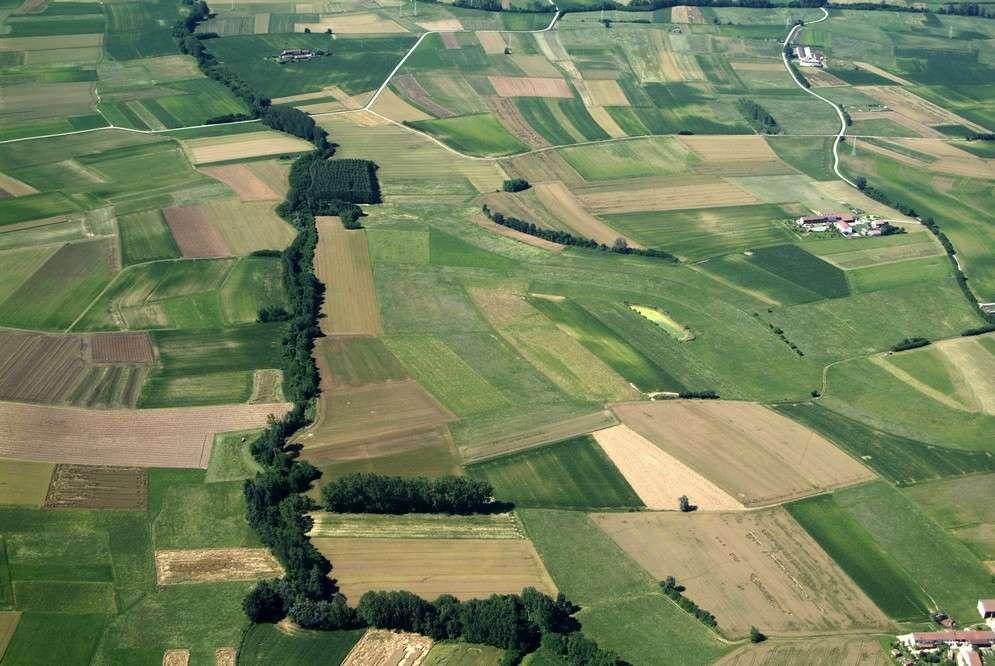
986 605
974 637
973 659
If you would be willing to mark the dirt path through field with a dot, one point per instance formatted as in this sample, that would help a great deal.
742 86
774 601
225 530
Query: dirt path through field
914 383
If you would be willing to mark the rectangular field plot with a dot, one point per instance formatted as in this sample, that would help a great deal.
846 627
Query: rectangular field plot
24 482
171 437
357 361
93 487
572 474
754 454
243 146
212 565
246 184
748 568
465 568
705 232
415 526
342 262
960 506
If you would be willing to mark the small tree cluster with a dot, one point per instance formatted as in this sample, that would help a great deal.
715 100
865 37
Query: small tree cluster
577 650
909 343
757 636
675 591
757 116
376 493
515 185
294 121
699 395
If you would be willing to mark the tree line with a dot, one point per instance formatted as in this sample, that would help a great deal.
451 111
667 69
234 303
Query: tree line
675 591
376 493
930 224
567 238
910 343
757 116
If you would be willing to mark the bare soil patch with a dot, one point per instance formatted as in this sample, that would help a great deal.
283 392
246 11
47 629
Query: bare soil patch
449 40
8 625
171 437
530 86
213 565
445 26
465 568
98 487
699 195
176 658
408 86
748 568
247 185
194 233
342 262
380 647
125 347
511 118
493 42
658 477
226 657
560 201
757 456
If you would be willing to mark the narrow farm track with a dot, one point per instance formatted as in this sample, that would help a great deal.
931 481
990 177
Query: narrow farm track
839 111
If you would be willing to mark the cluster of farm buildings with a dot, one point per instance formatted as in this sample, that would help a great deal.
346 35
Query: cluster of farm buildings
847 224
809 57
296 54
965 648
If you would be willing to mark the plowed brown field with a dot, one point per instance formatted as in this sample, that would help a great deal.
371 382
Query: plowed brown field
98 487
194 233
121 347
174 437
246 184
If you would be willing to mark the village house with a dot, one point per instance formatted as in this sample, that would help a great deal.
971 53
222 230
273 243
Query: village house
929 640
809 57
966 655
986 609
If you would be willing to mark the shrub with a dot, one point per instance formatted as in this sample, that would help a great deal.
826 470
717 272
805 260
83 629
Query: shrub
516 185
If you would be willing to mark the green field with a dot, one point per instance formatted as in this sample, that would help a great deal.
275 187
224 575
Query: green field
145 237
961 506
354 64
480 135
623 608
867 562
695 234
572 474
207 367
231 459
902 460
945 568
803 268
630 159
266 645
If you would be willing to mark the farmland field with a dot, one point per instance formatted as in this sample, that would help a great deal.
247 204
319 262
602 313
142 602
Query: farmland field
152 320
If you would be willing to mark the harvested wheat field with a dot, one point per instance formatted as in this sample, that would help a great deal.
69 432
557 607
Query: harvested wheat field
562 203
352 24
390 104
380 647
356 415
214 565
243 146
8 625
607 123
508 437
607 92
193 232
757 456
176 657
465 568
912 106
709 194
658 477
226 657
747 568
129 347
247 185
446 26
529 86
811 651
686 14
725 148
172 437
98 487
492 42
342 263
542 167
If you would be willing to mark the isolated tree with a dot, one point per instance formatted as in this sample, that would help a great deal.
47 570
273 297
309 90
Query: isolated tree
757 636
620 245
683 504
307 31
860 182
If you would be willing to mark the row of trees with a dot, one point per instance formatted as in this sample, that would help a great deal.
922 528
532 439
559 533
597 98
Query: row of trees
757 116
294 121
567 238
675 591
376 493
909 343
930 224
967 9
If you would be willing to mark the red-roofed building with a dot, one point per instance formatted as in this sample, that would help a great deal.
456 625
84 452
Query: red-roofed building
925 640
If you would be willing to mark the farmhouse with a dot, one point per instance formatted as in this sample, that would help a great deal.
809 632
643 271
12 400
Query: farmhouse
928 640
809 57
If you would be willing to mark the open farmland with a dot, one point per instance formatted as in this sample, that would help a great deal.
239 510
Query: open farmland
833 651
179 437
465 568
754 568
173 567
380 646
745 449
93 487
209 150
342 261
